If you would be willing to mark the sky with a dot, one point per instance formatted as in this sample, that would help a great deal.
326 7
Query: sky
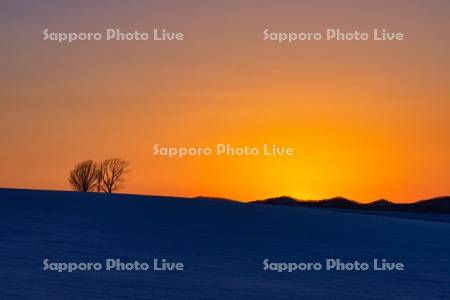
367 120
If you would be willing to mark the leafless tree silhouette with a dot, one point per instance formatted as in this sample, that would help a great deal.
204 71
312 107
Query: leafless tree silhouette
99 178
83 177
112 173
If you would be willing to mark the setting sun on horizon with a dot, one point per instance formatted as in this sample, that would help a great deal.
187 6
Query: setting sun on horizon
366 120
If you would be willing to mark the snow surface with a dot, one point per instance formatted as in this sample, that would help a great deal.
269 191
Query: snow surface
222 245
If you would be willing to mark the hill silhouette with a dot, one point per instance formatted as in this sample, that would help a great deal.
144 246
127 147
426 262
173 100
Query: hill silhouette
440 205
221 243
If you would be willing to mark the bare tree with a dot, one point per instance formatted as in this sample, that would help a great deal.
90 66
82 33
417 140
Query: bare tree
83 177
99 178
112 173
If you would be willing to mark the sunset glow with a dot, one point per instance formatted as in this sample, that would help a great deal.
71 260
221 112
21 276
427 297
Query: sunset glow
367 120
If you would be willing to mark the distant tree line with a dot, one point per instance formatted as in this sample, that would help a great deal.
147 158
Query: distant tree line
106 176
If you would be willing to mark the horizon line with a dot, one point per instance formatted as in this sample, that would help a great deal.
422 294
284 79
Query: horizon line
220 198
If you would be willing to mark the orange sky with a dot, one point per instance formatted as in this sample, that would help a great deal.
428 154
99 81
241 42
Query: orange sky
367 120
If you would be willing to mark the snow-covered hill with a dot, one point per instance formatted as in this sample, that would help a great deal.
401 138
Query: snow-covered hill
222 245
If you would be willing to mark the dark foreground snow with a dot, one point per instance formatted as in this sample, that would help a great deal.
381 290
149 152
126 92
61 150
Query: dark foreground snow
222 245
